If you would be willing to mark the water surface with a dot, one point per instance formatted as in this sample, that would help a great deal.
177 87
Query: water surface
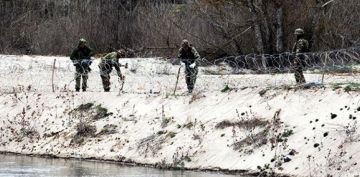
24 166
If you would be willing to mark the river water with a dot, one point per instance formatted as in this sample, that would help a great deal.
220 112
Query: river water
23 166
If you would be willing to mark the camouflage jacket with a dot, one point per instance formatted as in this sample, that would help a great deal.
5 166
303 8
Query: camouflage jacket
188 56
110 56
110 60
81 53
301 46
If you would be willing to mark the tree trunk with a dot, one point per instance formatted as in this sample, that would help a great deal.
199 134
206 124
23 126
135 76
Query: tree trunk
265 26
279 30
257 27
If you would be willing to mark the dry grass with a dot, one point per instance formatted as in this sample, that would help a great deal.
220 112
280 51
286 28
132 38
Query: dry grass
252 123
83 130
108 130
258 139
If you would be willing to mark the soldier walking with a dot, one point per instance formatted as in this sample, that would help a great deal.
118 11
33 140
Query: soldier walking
188 56
106 65
300 47
81 58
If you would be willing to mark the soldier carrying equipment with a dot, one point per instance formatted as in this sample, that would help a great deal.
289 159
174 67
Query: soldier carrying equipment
188 56
106 65
81 58
300 47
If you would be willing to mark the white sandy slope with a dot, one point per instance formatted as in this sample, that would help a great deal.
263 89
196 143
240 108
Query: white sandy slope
139 116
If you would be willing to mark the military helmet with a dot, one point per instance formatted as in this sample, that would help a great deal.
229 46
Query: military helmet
299 31
82 41
185 43
121 52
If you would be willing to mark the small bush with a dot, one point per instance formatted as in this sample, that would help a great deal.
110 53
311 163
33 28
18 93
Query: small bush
85 130
29 132
84 107
101 112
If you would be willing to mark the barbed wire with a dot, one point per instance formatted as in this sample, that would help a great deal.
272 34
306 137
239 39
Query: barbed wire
156 75
265 63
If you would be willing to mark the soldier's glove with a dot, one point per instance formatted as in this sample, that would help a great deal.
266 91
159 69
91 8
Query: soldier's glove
193 65
182 64
75 63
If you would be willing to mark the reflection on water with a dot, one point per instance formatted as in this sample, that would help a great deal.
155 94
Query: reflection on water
22 166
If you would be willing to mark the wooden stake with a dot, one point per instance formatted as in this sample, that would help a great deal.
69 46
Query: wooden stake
52 77
177 79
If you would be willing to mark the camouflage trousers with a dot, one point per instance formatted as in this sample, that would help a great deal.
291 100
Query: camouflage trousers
78 76
299 75
190 76
105 70
106 82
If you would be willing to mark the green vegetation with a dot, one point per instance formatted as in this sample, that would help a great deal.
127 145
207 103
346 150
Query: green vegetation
350 86
171 134
226 89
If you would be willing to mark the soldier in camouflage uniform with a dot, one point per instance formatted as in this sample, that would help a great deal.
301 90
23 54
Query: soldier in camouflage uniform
188 56
300 47
106 65
81 58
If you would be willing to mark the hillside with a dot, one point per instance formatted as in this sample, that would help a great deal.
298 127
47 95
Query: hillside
260 124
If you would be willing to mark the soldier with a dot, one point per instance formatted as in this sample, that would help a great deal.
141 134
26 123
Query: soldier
300 47
188 56
106 65
81 58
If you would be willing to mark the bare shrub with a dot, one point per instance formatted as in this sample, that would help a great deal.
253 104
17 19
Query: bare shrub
29 132
89 111
84 129
151 144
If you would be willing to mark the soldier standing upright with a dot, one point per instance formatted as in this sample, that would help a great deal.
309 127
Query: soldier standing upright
300 47
188 56
81 58
106 65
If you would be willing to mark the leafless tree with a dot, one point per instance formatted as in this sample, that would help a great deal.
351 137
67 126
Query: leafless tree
216 27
